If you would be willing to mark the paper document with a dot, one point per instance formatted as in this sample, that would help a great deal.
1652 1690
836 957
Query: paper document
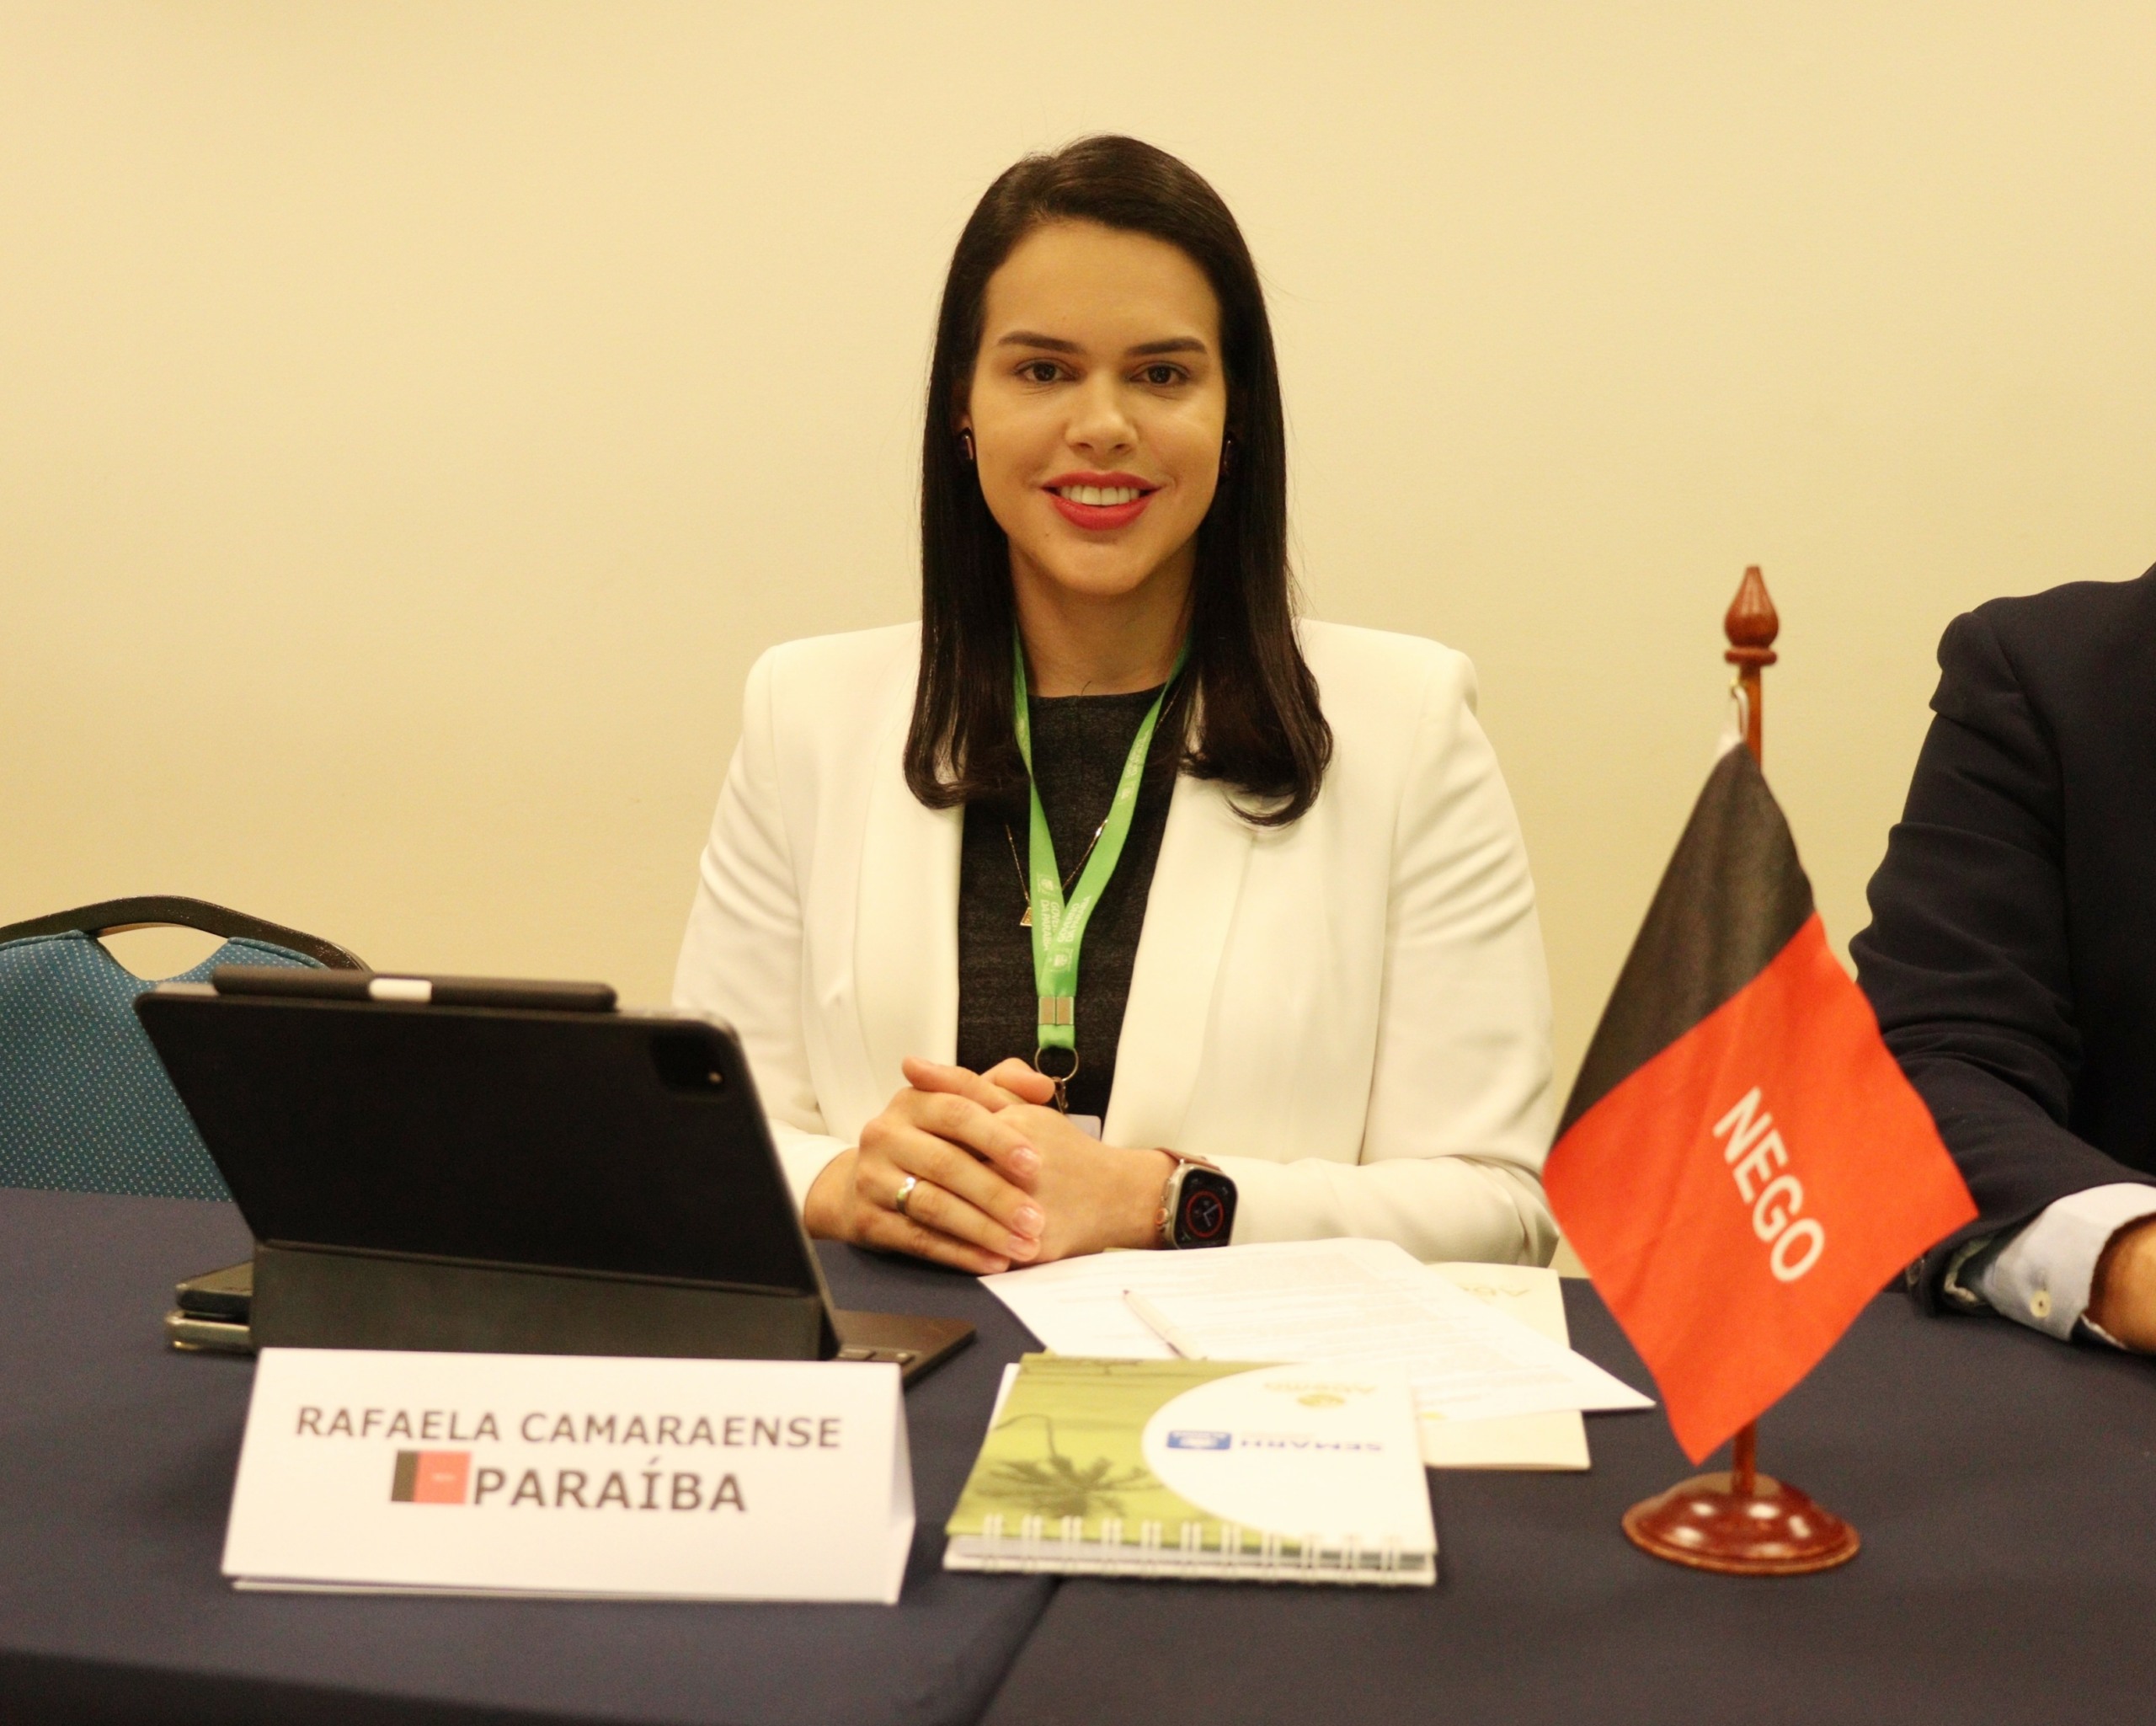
1363 1302
1075 1306
1554 1440
1377 1307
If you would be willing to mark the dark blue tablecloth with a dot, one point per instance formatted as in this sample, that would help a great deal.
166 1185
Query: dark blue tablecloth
2005 1486
117 1475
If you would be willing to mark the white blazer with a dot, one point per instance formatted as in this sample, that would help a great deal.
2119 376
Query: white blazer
1351 1016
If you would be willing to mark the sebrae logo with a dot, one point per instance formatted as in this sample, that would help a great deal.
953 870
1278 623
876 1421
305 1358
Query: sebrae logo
1184 1439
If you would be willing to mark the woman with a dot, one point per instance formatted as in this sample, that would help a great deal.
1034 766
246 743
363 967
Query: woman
1084 839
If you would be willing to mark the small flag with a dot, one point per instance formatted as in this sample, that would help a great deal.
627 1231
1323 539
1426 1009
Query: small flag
1742 1165
430 1477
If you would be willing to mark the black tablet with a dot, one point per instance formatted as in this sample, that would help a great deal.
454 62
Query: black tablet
421 1172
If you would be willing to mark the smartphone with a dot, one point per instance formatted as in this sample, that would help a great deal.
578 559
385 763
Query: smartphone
211 1313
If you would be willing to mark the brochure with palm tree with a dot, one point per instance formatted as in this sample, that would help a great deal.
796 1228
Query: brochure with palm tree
1200 1469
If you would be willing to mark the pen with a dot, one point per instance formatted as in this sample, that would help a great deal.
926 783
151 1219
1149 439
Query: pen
1157 1323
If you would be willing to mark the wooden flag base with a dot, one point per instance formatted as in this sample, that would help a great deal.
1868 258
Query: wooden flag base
1745 1524
1774 1530
1742 1523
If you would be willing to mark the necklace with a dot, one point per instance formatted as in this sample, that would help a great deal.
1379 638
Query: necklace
1026 886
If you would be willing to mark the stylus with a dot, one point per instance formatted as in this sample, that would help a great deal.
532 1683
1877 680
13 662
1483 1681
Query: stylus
418 991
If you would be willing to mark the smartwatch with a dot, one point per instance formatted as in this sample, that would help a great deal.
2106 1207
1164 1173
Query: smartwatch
1198 1204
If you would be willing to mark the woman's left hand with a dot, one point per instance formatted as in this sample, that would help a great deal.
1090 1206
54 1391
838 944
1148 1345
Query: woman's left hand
1095 1196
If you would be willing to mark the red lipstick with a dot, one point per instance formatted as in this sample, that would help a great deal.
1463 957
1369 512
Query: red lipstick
1099 518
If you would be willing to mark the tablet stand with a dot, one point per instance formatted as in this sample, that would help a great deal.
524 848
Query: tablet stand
313 1298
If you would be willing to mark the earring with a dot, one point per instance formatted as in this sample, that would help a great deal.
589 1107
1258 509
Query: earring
966 443
1227 454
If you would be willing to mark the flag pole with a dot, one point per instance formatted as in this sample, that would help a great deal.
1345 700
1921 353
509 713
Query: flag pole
1750 627
1743 1523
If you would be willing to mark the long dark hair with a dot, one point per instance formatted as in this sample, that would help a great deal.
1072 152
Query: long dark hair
1247 705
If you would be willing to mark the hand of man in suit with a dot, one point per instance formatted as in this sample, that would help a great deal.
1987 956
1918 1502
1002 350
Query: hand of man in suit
2122 1294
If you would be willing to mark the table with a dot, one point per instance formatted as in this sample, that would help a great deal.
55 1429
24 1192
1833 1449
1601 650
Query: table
2005 1486
117 1477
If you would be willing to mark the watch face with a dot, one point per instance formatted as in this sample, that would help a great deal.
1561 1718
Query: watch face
1205 1212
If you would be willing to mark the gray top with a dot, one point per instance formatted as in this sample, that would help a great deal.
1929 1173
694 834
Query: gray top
1080 742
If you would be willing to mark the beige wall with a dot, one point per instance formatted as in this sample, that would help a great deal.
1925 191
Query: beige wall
413 419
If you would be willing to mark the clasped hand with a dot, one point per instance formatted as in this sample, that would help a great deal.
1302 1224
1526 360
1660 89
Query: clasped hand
999 1179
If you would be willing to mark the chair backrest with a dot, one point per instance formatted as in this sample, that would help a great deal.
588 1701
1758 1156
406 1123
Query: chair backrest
85 1105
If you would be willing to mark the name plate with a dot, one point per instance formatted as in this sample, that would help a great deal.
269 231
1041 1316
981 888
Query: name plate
550 1474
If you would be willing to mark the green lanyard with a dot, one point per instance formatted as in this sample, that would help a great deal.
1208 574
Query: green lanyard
1060 928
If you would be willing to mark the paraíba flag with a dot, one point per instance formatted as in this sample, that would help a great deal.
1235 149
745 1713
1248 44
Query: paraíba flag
1742 1165
430 1477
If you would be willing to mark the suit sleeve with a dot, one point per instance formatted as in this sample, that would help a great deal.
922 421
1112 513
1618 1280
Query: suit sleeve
1460 1110
741 959
1967 961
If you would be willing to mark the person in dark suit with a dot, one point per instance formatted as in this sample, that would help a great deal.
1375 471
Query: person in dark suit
2011 957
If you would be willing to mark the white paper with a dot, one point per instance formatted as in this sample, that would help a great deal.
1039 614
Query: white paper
571 1476
1075 1306
1366 1302
1536 1296
1376 1309
1555 1440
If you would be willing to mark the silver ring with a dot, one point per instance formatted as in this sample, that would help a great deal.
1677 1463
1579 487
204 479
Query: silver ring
905 1192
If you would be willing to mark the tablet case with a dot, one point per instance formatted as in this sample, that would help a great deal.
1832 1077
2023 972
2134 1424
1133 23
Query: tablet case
504 1180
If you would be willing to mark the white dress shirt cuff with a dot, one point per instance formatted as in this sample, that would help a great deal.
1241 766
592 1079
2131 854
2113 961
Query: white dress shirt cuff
2041 1277
804 1156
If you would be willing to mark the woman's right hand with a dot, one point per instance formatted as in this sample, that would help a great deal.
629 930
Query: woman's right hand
970 1206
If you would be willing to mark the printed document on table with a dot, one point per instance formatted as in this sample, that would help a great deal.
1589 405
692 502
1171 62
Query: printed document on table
1363 1302
1376 1306
1554 1440
1075 1306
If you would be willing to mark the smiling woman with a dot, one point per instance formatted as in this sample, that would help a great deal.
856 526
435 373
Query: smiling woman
1299 1014
1099 302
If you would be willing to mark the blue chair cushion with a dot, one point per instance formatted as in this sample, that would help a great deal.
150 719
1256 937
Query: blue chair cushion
85 1106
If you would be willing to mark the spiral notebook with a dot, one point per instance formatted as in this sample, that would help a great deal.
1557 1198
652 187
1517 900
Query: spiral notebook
1199 1469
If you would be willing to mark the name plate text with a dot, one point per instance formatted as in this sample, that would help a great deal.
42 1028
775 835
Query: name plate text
767 1480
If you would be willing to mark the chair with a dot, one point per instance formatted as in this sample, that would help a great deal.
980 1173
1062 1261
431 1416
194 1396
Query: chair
85 1105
